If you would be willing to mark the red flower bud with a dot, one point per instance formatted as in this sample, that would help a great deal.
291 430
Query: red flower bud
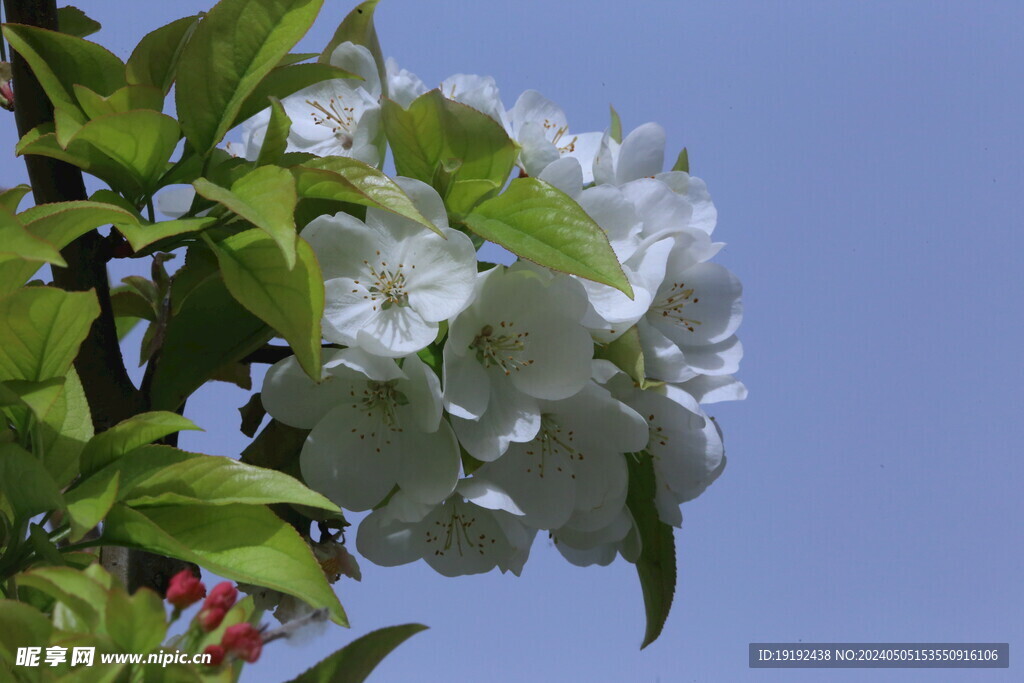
185 589
216 653
210 618
222 596
243 641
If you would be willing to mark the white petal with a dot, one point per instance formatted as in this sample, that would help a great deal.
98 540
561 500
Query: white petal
342 244
358 60
489 494
708 389
705 215
585 147
466 385
423 389
443 281
699 306
174 201
426 200
662 357
428 464
538 479
366 364
661 209
537 152
566 174
605 160
395 331
722 358
511 416
532 107
348 308
460 538
386 542
559 351
349 457
615 213
642 153
289 395
403 85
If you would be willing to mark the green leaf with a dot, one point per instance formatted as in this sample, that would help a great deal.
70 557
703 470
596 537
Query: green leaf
144 233
46 551
350 180
21 625
438 133
43 328
59 61
64 431
656 565
11 198
357 27
208 330
627 354
357 660
266 198
73 21
286 80
123 100
682 162
43 142
26 484
18 243
245 543
191 479
83 595
155 59
616 128
275 141
61 223
136 623
89 502
126 436
290 300
232 49
542 224
140 141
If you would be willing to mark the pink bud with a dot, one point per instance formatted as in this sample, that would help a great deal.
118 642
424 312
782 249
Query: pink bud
222 596
216 653
210 617
185 589
243 641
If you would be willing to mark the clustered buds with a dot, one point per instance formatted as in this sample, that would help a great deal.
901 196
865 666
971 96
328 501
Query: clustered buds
185 590
242 641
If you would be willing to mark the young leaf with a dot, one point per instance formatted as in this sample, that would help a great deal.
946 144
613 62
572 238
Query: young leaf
210 480
436 131
140 141
656 565
83 595
357 27
350 180
43 328
89 502
155 59
137 622
290 300
122 100
542 224
357 660
682 162
266 198
11 198
627 354
247 543
59 61
208 330
74 22
145 233
615 131
25 483
275 140
64 430
130 434
232 49
18 243
21 625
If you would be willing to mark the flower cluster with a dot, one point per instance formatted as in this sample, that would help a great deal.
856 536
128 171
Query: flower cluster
470 405
242 641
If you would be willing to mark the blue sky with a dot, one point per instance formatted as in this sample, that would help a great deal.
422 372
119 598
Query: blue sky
867 163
